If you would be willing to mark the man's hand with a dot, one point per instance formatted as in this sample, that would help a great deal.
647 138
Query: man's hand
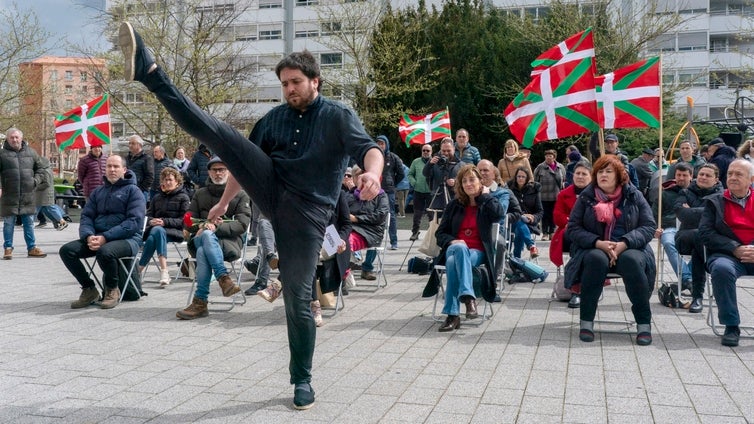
157 222
745 254
658 233
434 159
94 243
369 185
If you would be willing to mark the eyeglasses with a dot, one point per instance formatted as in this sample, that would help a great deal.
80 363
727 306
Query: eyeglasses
347 176
426 151
219 170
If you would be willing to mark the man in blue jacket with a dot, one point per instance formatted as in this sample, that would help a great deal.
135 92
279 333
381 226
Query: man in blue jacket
111 227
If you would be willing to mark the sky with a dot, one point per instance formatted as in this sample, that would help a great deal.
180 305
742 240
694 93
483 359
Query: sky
75 22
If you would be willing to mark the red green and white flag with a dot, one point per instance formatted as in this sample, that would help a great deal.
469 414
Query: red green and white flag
575 47
630 97
424 129
85 126
559 102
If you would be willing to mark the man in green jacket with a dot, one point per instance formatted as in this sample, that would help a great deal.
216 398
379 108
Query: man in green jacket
422 192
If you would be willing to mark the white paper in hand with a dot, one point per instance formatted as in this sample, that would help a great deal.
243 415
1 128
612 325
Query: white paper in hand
332 240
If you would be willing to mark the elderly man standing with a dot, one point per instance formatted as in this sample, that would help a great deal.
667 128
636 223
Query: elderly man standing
160 160
727 231
140 164
422 192
20 172
111 227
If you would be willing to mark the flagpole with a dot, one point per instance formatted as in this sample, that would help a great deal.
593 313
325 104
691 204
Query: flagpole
659 188
601 141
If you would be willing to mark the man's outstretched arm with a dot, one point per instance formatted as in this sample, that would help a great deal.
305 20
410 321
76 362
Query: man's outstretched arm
231 189
369 181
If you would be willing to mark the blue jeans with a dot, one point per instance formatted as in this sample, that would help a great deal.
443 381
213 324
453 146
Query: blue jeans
393 228
459 260
157 241
668 244
52 212
9 226
521 236
368 263
724 271
209 260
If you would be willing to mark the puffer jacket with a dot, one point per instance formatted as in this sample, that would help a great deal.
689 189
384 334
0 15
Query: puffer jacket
693 196
158 166
197 169
530 201
115 211
170 207
20 172
584 230
91 171
370 216
142 165
45 192
229 233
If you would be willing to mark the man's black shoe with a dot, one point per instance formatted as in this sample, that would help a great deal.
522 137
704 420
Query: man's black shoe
414 236
252 265
731 336
303 396
258 286
138 58
575 302
497 299
252 241
696 305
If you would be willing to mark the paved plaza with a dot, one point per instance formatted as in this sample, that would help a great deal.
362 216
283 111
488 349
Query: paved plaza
381 359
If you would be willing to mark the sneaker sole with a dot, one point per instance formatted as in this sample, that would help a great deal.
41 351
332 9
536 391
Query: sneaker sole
303 407
233 291
127 43
267 297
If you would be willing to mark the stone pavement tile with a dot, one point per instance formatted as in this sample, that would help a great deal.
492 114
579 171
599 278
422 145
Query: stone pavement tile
432 381
488 413
538 419
337 393
669 413
505 397
617 406
370 408
584 414
421 395
638 417
467 388
624 384
709 399
465 405
442 417
664 392
406 412
544 384
743 400
698 372
542 405
388 387
589 397
717 419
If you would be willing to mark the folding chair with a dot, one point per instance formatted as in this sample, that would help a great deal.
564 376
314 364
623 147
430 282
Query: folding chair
381 277
238 298
623 326
747 331
181 249
122 263
487 312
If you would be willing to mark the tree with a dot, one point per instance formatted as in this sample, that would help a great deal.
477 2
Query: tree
201 48
22 39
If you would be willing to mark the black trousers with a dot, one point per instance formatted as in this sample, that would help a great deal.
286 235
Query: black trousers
548 224
630 265
107 258
421 203
299 224
688 242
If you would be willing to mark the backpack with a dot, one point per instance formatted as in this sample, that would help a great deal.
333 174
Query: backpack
668 296
483 285
421 265
525 271
558 289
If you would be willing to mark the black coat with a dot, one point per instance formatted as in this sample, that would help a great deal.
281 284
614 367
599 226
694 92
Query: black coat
490 212
370 216
170 207
693 196
437 175
142 165
530 201
332 271
584 230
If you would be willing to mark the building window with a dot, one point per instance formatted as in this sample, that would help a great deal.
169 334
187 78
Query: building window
68 89
692 41
83 76
268 94
536 13
84 90
331 60
307 29
329 28
663 43
134 98
68 75
271 34
118 129
246 32
692 77
307 2
68 104
270 4
54 75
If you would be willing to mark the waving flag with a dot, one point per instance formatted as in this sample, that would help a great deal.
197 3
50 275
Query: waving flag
560 101
84 126
417 129
630 97
575 47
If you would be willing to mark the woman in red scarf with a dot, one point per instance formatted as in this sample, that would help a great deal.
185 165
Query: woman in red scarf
610 228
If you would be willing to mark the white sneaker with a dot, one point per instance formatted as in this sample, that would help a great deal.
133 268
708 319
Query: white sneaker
164 277
350 281
317 313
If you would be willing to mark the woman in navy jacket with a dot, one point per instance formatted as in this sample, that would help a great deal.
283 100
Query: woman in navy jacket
610 228
465 236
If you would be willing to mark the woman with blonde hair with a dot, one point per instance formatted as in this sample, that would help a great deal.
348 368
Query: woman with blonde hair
512 160
746 150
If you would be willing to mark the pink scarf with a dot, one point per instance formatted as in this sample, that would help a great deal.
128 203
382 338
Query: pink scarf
606 209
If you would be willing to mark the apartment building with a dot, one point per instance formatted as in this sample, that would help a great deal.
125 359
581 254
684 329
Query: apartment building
52 85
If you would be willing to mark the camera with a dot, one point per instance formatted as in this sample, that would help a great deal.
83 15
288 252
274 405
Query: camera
441 160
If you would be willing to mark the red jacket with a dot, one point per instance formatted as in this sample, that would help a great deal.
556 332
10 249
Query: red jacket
563 205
